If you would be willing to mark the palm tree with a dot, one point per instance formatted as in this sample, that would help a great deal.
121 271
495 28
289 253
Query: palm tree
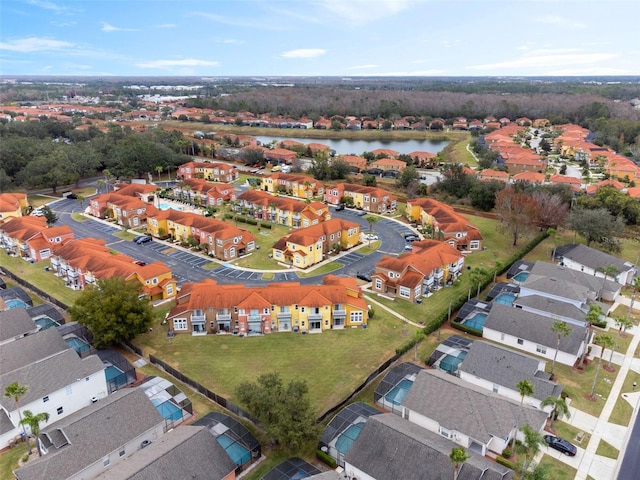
477 275
593 316
636 288
16 391
605 341
560 408
609 270
561 329
34 425
371 220
159 169
623 323
525 388
532 441
458 456
100 183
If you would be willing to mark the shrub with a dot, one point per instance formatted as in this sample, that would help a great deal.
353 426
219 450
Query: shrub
503 461
506 453
266 225
326 458
251 221
228 216
464 328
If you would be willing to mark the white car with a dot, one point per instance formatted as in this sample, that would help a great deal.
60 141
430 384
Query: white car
372 236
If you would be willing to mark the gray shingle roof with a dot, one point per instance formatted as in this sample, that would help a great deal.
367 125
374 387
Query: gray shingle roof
185 452
391 448
552 306
507 367
15 322
563 281
468 409
93 432
29 349
46 309
533 327
592 258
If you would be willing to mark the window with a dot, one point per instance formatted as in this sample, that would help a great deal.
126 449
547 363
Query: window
169 289
520 341
106 461
495 388
45 399
121 452
60 410
445 432
179 323
302 309
541 349
378 284
405 292
355 316
68 390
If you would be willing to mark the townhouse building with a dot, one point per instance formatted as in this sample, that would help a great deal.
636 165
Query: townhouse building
12 205
128 211
299 186
207 307
369 199
355 162
31 238
307 246
490 175
210 171
424 159
445 223
282 210
204 193
82 262
431 265
217 238
389 164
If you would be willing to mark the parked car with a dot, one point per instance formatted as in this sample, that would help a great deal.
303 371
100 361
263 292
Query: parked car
371 236
140 239
364 277
412 238
37 213
362 213
408 247
340 206
561 445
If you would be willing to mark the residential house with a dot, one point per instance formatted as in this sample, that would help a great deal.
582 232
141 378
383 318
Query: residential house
490 175
100 436
529 177
445 223
31 238
217 238
183 452
484 422
424 159
592 261
208 307
369 199
499 370
315 148
431 265
299 186
574 183
128 211
143 191
634 192
210 171
355 162
12 205
389 164
390 448
279 155
307 246
59 381
531 333
370 124
551 307
282 210
82 262
384 153
517 160
15 323
204 193
322 124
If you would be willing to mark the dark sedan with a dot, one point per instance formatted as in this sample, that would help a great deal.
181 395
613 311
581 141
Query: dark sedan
561 445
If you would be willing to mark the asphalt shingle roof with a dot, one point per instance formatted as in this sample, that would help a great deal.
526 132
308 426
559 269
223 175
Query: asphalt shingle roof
563 281
391 448
551 306
30 349
507 367
468 409
533 327
15 322
592 258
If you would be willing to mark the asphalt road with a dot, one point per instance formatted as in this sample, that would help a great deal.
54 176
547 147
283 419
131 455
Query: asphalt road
187 266
631 461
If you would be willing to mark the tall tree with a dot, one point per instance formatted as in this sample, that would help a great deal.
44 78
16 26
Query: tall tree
552 210
50 215
15 391
458 456
561 329
113 311
408 176
285 411
596 225
532 442
33 421
516 212
604 341
623 323
636 288
560 408
525 388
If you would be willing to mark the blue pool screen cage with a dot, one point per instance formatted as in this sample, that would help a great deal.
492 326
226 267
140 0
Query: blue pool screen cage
393 379
291 469
241 445
341 432
519 267
471 306
127 373
503 287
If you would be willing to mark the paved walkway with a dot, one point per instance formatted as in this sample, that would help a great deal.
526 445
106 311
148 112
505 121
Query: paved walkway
586 462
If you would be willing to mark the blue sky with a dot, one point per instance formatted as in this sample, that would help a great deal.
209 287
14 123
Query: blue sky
348 38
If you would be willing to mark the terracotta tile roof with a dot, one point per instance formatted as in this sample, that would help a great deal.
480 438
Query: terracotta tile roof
24 228
565 179
427 256
592 189
386 152
634 192
372 191
310 235
532 177
10 202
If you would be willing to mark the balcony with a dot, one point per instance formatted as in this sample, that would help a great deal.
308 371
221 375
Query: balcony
223 317
254 318
197 318
314 317
339 313
284 316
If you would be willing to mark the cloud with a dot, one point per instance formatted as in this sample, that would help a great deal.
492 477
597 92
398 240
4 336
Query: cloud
110 28
547 59
63 24
304 53
49 6
186 62
166 25
230 41
364 11
568 23
362 67
236 22
35 44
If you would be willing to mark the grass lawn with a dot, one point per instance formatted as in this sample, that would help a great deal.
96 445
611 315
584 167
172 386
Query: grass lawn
39 200
125 235
569 432
9 460
556 470
78 217
623 410
324 269
222 362
607 450
456 152
35 274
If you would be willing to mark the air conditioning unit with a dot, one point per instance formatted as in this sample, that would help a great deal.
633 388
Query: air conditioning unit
94 399
145 443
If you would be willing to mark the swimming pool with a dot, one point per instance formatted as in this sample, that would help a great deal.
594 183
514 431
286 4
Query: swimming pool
78 345
15 303
476 320
46 322
505 299
450 363
167 409
238 453
166 206
396 394
346 438
521 277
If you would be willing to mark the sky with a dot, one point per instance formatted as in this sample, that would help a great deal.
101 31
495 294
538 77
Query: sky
346 38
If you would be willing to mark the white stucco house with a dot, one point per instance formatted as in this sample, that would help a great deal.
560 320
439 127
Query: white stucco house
591 261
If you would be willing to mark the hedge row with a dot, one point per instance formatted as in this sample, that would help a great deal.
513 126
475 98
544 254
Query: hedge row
266 225
326 458
503 461
462 327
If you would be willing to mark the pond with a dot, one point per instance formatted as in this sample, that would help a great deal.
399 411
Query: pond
345 146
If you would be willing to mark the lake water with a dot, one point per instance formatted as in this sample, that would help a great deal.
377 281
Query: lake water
358 147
